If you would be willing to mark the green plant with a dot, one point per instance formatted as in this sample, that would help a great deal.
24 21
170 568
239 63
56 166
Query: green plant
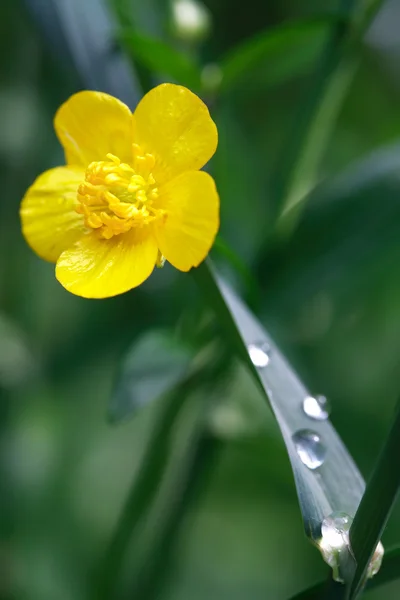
181 451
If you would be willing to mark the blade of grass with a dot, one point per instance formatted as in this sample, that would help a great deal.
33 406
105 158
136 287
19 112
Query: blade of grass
376 505
298 166
390 571
335 484
145 487
287 50
143 490
191 468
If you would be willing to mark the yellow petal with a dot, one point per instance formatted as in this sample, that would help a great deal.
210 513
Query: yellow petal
99 268
50 223
175 126
192 205
91 124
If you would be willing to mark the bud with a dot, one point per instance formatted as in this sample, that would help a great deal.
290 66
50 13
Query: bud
191 20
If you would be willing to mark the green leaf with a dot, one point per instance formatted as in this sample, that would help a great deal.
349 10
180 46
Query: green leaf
275 55
297 169
353 222
376 505
175 457
153 366
390 571
327 479
161 58
346 242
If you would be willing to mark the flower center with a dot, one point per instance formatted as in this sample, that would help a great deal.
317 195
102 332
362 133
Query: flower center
114 197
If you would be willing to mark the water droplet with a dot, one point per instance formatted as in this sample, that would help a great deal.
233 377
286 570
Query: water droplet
259 354
335 529
376 561
316 407
310 448
336 549
335 545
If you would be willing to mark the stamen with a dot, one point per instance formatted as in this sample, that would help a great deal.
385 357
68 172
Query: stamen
115 196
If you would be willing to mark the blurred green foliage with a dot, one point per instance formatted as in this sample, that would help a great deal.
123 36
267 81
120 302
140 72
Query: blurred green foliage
329 292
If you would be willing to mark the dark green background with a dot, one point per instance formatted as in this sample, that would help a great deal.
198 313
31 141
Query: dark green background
329 293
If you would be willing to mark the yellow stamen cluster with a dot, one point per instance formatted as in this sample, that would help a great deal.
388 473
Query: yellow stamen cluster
114 197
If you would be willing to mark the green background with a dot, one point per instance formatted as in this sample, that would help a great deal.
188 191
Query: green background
329 292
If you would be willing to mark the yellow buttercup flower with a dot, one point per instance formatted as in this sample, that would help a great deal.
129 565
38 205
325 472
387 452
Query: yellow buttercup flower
131 194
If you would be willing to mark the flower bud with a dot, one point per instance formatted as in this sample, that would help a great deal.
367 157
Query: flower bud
191 20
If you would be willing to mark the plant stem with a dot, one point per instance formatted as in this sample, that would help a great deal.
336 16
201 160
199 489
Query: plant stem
376 505
154 468
192 473
141 495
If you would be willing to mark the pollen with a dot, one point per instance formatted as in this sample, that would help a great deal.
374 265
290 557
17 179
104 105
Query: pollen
115 196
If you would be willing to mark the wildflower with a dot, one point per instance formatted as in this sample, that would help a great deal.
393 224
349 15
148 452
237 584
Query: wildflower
131 194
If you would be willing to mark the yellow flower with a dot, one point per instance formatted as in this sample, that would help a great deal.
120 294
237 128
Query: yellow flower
131 193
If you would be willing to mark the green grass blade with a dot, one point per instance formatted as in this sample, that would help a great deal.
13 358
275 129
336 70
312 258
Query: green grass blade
185 480
390 571
275 55
376 506
143 490
297 169
153 467
334 485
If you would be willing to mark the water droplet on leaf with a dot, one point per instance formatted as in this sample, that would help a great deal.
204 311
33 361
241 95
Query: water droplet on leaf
335 529
259 354
310 448
316 407
336 548
335 545
376 561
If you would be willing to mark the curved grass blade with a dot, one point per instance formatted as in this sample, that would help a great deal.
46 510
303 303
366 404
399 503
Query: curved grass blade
354 224
327 479
275 55
190 466
164 478
389 572
297 168
376 506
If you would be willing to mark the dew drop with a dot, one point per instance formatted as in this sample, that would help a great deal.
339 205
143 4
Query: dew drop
336 549
259 354
335 545
335 529
376 561
310 448
316 407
